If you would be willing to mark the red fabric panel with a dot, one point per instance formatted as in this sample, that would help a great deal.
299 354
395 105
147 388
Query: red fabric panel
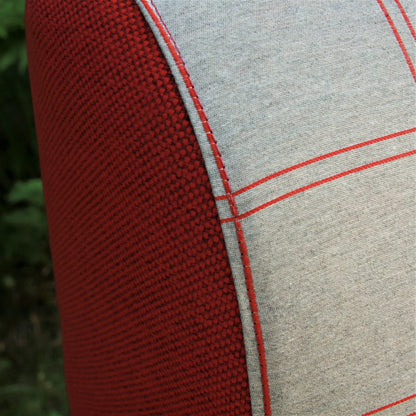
149 313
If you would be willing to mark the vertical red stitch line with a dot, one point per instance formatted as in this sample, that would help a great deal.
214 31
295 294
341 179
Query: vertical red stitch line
256 318
406 18
399 39
166 29
387 406
227 187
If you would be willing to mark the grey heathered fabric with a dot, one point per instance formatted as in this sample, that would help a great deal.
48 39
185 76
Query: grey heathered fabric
337 300
283 82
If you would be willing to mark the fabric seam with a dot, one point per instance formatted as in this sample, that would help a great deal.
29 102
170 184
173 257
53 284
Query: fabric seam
231 201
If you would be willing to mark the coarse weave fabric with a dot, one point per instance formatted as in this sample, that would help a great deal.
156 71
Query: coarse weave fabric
312 107
292 126
150 319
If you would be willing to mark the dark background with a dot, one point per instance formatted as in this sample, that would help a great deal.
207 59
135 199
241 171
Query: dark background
31 369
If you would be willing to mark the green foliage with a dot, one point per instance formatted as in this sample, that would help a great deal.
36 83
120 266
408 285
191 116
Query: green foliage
11 16
31 367
18 150
12 41
31 374
23 226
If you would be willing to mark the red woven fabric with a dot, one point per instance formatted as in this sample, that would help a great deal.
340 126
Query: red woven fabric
149 314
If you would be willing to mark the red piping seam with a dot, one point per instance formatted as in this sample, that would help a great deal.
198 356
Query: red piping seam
412 414
406 18
314 160
399 39
227 187
387 406
317 183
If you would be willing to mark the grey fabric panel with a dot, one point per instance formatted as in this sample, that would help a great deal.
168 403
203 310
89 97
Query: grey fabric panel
283 82
293 79
338 298
323 169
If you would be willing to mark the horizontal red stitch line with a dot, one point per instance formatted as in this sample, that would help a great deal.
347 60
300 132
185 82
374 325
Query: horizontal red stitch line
411 414
399 39
317 159
320 182
387 406
406 18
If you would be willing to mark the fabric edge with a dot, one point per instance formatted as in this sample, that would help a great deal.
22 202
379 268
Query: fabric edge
230 237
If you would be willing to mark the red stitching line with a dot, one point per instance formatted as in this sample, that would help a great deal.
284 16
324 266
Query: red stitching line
406 18
411 414
387 406
314 160
399 39
320 182
227 187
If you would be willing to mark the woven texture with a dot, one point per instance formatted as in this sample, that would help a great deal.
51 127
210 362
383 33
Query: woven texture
150 320
312 105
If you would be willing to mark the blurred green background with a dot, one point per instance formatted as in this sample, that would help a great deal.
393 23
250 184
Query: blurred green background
31 369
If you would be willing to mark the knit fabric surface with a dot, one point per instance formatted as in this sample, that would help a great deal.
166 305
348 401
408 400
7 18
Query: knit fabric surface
150 319
312 106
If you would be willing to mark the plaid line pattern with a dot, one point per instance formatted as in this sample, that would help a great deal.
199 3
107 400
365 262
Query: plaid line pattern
312 109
